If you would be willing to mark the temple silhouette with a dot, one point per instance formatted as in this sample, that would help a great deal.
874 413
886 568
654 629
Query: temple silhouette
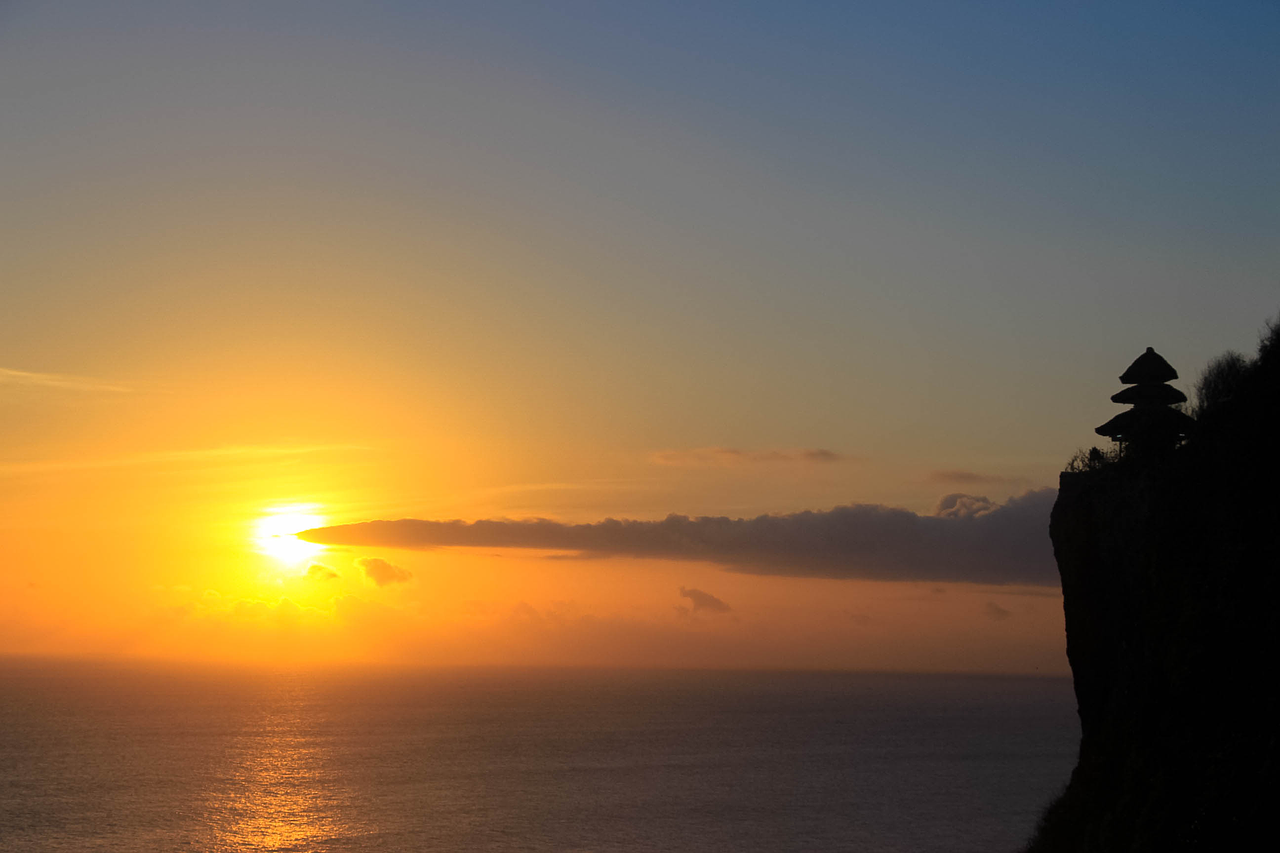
1151 425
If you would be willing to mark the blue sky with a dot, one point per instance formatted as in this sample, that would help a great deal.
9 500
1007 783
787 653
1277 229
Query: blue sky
913 203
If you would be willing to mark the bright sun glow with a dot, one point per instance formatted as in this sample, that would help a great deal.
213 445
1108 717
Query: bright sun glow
273 533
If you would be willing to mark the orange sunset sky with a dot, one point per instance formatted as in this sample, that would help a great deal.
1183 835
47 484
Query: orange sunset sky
273 267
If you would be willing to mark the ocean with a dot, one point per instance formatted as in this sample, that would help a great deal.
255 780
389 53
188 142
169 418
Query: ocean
133 758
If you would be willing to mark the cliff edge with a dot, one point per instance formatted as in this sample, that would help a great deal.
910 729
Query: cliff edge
1170 570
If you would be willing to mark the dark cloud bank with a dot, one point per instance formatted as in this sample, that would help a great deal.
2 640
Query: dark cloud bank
969 539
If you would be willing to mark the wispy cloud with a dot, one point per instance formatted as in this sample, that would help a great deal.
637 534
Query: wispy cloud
970 539
615 484
969 478
730 457
170 457
59 381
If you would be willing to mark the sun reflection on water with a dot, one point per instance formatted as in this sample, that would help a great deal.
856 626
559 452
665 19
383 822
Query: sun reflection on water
278 793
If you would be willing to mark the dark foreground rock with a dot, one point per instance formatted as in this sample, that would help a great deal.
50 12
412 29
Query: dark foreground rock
1170 572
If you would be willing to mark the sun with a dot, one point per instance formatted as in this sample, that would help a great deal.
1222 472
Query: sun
273 532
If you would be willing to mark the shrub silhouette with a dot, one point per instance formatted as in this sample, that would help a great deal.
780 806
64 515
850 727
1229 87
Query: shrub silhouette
1231 374
1220 381
1093 459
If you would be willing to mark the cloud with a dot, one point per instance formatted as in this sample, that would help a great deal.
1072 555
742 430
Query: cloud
818 454
996 613
970 540
967 478
960 505
729 457
382 573
607 484
216 455
283 612
60 381
704 601
321 572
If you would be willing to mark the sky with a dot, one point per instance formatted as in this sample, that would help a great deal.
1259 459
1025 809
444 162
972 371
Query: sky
597 333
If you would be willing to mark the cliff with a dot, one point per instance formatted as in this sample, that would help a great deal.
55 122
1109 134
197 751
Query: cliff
1170 570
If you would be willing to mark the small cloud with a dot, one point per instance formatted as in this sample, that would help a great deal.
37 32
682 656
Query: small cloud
251 609
818 454
382 573
524 612
283 611
964 506
704 601
287 610
967 478
731 457
321 572
996 613
935 593
354 610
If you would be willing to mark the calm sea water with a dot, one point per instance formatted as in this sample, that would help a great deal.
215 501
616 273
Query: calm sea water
132 759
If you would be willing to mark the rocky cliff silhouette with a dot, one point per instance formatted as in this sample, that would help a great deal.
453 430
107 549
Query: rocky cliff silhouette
1170 568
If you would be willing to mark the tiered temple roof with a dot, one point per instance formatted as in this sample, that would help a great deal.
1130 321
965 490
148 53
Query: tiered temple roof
1152 422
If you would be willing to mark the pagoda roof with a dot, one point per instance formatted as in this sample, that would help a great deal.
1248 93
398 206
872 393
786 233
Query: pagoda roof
1150 367
1159 394
1147 422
